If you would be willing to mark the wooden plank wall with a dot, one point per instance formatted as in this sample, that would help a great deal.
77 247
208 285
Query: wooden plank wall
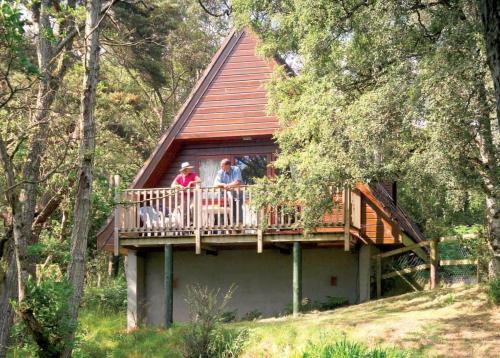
192 151
375 225
235 103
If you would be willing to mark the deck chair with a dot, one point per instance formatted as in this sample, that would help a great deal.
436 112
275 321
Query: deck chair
152 219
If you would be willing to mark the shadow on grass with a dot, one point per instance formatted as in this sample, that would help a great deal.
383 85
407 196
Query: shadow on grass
469 335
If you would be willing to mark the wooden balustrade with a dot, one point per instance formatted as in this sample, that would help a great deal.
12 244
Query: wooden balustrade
209 211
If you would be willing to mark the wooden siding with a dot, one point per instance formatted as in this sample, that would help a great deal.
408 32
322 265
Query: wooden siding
192 152
376 225
235 101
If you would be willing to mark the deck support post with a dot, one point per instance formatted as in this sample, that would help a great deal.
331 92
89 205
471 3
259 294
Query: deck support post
434 261
169 284
379 276
364 271
259 241
347 218
134 272
197 237
297 277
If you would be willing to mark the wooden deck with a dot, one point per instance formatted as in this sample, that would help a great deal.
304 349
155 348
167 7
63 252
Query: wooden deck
214 216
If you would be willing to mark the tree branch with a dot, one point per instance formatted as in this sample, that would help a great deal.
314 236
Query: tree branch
62 44
225 12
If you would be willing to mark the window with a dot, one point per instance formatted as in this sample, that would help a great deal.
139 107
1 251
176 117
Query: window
252 167
208 171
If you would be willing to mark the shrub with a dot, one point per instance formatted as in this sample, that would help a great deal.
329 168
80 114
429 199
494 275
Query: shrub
252 315
227 342
48 302
329 303
494 291
229 316
205 336
110 297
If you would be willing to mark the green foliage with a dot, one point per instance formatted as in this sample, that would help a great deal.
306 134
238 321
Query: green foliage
226 342
14 45
383 91
110 297
51 244
147 27
229 316
465 248
329 303
494 291
48 303
348 349
205 336
252 315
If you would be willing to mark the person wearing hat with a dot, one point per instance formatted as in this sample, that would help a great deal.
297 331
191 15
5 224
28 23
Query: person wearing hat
187 178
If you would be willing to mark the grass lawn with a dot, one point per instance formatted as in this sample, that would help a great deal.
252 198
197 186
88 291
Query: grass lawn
451 322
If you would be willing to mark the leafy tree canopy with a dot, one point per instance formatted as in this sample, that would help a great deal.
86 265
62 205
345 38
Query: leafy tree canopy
384 90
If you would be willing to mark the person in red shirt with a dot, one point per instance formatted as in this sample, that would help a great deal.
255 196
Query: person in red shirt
187 178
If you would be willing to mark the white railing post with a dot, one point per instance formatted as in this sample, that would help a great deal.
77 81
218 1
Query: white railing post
117 215
198 208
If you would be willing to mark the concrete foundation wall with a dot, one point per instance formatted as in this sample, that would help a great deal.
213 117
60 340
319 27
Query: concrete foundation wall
365 254
135 289
263 281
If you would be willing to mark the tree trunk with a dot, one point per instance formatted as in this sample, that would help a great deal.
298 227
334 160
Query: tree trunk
23 199
490 16
8 292
493 220
490 174
81 218
113 265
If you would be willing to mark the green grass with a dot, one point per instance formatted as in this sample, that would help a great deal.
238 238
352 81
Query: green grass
103 334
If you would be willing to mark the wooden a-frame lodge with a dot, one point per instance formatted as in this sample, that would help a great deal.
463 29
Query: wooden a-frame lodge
173 238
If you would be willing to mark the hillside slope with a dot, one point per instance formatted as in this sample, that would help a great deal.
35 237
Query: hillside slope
449 322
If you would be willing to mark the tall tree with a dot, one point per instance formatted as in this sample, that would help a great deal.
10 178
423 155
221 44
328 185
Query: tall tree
490 15
394 90
23 152
81 214
22 184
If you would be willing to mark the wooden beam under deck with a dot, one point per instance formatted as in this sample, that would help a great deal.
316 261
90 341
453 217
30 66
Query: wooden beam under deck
231 239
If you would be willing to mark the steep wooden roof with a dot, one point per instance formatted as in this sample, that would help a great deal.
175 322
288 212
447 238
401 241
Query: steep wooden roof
229 100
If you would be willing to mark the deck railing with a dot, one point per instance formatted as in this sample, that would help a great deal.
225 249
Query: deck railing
208 211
